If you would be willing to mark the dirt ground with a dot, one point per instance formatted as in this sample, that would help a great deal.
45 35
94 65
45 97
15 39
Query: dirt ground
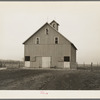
45 79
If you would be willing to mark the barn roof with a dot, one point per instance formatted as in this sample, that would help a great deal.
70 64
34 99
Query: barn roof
52 28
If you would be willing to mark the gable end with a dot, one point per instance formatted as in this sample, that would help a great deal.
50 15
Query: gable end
53 29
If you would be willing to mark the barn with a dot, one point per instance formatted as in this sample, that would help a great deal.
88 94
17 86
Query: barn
48 48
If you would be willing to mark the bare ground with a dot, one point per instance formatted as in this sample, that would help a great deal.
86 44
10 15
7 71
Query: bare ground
44 79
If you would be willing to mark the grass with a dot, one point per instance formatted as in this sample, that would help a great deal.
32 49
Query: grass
45 79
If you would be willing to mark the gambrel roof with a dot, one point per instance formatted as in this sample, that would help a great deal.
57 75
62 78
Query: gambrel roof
53 29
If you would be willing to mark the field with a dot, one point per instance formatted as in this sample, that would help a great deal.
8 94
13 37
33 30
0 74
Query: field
49 79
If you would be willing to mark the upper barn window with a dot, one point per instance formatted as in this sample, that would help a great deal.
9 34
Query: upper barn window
54 25
37 40
47 31
56 40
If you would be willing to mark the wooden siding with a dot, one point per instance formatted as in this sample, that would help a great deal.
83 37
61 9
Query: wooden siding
73 58
73 54
47 50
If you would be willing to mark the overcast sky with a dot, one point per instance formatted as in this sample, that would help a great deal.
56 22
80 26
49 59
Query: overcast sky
79 22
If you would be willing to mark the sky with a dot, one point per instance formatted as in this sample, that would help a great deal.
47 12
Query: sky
79 22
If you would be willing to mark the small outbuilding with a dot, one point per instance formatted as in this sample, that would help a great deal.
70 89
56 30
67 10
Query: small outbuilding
47 48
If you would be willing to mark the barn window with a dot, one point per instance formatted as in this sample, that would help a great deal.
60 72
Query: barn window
54 25
47 31
56 40
37 40
66 58
27 58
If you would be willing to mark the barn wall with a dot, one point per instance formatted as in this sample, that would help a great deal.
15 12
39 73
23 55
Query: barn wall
47 50
73 57
37 62
57 52
73 54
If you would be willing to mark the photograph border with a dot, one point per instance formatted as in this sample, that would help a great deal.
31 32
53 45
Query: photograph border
33 95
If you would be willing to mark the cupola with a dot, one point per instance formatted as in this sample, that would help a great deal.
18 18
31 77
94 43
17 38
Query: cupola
55 25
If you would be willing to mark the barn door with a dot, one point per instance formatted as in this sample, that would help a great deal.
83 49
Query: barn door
27 63
67 65
46 62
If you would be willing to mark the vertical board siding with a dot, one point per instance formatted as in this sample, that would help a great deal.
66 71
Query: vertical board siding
73 54
73 58
47 50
